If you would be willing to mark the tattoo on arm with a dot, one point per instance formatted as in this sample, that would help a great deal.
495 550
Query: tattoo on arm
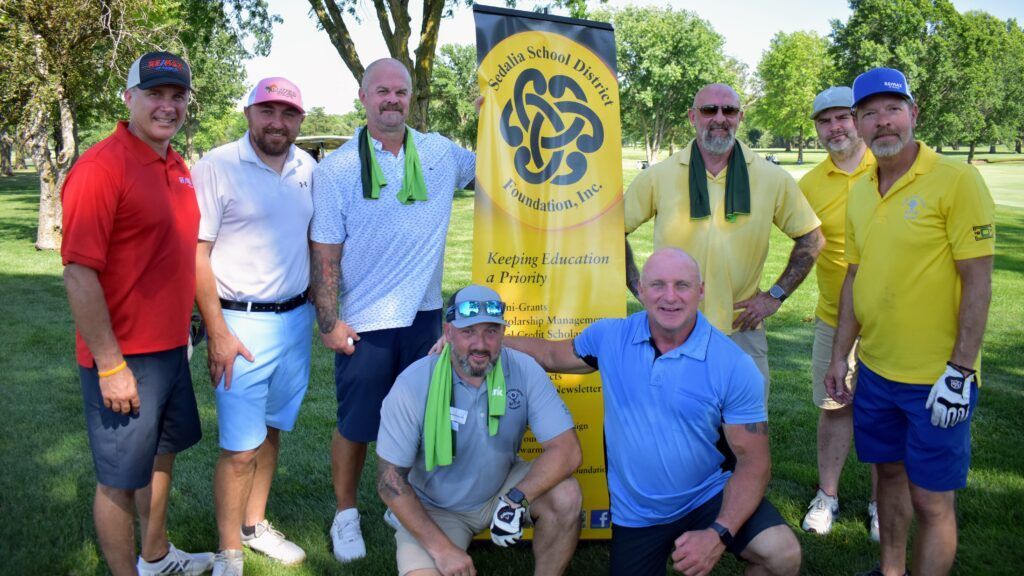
325 277
392 481
801 260
757 428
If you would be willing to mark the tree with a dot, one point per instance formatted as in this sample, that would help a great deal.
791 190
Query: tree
395 23
664 57
455 88
792 71
68 59
909 35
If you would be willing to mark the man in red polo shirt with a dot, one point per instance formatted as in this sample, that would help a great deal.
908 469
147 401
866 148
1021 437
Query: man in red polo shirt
131 224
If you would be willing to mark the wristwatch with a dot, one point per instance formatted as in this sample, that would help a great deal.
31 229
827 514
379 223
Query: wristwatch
778 293
723 533
515 496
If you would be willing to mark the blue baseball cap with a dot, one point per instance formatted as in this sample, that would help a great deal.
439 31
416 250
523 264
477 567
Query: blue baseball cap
880 81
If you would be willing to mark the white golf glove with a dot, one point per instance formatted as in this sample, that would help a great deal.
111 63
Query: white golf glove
950 398
507 524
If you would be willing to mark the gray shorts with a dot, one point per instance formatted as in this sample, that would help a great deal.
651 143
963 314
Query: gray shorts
125 446
821 356
460 527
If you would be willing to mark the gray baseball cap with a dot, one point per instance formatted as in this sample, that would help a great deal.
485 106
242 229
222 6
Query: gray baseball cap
834 97
475 304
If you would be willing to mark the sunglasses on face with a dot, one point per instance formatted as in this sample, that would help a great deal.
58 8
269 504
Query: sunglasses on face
709 110
471 308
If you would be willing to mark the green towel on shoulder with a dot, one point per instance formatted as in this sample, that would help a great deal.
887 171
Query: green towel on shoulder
413 186
737 185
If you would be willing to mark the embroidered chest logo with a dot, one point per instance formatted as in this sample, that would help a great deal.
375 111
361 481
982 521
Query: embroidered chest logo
515 399
185 180
914 205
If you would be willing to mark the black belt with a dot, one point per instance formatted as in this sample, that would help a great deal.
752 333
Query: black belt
278 307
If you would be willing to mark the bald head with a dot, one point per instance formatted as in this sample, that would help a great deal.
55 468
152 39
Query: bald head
715 92
384 64
670 258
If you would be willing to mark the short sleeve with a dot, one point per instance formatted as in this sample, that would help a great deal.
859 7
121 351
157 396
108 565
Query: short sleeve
211 206
549 416
639 200
401 424
328 224
793 213
851 251
744 395
89 201
970 224
588 342
465 165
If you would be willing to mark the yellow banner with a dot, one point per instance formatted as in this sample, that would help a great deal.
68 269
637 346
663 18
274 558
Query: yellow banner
548 224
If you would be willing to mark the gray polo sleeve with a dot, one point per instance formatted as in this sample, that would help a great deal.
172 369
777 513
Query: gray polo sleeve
401 415
547 413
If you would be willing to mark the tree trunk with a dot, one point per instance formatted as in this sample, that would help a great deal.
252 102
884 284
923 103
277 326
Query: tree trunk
956 146
939 148
1016 147
991 148
970 153
53 170
789 145
800 148
648 148
6 149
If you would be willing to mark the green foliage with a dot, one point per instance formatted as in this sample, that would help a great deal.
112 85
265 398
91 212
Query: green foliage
319 123
791 72
664 57
453 90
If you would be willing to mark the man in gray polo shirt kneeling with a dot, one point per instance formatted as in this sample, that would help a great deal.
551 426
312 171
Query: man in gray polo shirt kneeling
450 431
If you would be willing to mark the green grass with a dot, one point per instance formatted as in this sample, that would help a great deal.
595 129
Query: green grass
47 481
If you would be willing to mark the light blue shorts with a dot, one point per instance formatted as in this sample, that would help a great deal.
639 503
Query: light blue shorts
268 391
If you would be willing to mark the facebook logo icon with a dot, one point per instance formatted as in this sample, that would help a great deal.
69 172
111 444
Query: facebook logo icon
600 519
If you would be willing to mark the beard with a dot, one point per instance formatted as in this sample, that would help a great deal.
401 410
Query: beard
890 149
717 144
844 149
471 370
274 148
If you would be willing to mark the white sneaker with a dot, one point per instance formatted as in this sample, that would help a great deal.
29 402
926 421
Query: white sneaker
347 537
273 543
228 563
391 520
873 521
820 513
176 562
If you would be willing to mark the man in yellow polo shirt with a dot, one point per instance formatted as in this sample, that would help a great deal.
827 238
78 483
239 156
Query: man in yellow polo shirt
717 200
826 188
919 242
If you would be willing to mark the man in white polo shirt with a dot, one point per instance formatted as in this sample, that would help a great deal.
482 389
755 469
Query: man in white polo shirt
252 268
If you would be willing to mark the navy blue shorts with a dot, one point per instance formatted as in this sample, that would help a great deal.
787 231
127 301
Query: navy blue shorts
891 424
125 446
645 551
362 380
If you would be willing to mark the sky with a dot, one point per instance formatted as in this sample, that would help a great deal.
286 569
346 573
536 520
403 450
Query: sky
306 56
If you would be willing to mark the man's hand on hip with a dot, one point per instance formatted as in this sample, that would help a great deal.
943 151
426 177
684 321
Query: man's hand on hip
221 351
754 310
696 552
120 392
341 338
507 523
950 398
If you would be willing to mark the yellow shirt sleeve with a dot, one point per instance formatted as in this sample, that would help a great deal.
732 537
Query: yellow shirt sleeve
793 214
640 200
970 217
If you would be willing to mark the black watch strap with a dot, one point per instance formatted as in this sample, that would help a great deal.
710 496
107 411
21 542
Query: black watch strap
723 533
516 496
778 293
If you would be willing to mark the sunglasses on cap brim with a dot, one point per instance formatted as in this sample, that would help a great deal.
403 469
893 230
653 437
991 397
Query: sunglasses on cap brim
473 308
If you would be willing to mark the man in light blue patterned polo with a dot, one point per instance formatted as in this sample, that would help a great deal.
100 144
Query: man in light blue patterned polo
381 205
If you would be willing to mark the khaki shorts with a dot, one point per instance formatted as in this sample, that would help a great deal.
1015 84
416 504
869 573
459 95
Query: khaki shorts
821 355
460 527
755 344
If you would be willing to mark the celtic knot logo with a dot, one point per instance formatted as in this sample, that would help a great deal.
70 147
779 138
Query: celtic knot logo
541 130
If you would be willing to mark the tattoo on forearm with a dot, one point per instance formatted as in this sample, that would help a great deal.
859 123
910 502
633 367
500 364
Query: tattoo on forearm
757 428
392 481
632 272
801 260
324 279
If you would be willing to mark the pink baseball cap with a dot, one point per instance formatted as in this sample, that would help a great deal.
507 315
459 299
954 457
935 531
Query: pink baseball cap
276 89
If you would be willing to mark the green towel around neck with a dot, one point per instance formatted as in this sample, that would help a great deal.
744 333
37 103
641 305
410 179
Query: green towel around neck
437 419
737 185
413 186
